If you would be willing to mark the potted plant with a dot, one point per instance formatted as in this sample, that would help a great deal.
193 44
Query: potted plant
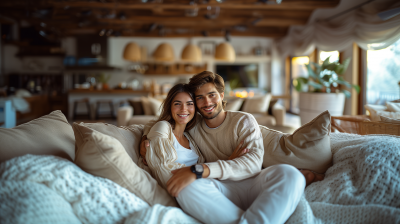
323 89
102 81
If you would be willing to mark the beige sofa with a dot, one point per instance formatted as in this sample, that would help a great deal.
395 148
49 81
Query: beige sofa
266 111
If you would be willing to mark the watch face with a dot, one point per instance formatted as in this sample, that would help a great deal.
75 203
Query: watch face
199 168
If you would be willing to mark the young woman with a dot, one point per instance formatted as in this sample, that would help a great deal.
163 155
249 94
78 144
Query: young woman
171 147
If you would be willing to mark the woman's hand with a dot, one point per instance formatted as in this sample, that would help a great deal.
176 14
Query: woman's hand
239 151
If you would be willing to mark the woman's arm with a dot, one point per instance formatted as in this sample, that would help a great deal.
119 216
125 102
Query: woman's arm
161 154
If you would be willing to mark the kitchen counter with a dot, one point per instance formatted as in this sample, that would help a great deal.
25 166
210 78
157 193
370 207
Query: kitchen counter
108 91
116 95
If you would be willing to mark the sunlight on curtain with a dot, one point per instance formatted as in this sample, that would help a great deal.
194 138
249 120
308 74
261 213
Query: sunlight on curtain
383 74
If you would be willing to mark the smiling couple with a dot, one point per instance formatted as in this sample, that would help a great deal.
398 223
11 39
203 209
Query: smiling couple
212 162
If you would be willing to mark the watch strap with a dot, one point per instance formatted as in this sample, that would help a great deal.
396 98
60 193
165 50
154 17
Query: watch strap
198 175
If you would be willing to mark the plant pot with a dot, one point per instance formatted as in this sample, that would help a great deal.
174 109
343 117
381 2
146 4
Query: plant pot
312 104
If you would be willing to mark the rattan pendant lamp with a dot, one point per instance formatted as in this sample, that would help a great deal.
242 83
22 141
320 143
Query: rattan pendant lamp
191 53
225 52
164 52
132 52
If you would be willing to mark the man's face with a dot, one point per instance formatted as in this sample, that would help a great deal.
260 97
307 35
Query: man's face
209 101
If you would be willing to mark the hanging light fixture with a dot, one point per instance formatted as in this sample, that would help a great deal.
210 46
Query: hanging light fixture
164 52
132 52
225 52
191 52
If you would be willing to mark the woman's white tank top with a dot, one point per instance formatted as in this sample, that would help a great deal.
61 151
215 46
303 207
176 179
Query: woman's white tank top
185 156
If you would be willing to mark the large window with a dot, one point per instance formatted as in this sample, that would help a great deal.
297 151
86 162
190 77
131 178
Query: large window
334 56
298 70
383 74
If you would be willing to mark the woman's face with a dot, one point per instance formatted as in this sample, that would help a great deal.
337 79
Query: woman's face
182 108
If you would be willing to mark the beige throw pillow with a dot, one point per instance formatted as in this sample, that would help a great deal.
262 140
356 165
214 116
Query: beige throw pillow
390 120
129 136
146 106
307 148
48 135
393 107
104 156
234 105
258 104
155 106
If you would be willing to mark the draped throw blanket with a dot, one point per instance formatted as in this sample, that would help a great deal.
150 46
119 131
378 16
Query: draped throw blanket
362 186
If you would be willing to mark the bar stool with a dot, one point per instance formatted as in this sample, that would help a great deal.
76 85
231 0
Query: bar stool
109 114
82 115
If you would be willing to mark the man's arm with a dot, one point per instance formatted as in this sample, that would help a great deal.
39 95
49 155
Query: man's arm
250 163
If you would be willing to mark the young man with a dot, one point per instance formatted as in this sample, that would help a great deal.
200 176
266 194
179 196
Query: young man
243 192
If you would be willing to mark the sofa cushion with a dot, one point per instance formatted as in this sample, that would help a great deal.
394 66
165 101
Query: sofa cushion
393 115
257 104
264 119
136 104
146 106
155 106
307 148
104 156
234 105
393 106
128 136
390 120
373 109
141 119
48 135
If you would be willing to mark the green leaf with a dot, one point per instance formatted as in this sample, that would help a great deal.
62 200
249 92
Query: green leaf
345 64
339 69
317 86
357 88
327 77
331 67
317 67
325 63
343 82
346 93
298 83
328 90
311 72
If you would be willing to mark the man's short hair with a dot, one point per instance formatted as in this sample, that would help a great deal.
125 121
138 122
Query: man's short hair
205 77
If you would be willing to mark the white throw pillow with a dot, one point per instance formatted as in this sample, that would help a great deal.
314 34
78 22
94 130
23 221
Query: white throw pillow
388 114
390 120
373 109
234 105
393 107
258 104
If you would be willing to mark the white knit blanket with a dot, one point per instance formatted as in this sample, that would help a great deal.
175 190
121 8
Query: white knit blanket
49 189
362 186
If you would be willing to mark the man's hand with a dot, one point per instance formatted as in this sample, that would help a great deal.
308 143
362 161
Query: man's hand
181 178
142 148
239 151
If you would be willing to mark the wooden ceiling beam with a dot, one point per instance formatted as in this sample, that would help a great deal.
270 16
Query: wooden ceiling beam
177 21
285 5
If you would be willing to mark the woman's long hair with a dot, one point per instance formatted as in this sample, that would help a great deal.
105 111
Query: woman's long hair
166 114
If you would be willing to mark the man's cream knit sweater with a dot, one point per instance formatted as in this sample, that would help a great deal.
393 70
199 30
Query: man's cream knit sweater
218 144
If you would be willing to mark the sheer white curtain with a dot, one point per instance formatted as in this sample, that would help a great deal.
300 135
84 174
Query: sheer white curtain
361 26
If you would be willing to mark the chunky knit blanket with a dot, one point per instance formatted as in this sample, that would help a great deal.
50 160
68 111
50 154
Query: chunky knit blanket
49 189
362 186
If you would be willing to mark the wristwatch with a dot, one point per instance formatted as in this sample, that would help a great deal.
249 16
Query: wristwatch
198 170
